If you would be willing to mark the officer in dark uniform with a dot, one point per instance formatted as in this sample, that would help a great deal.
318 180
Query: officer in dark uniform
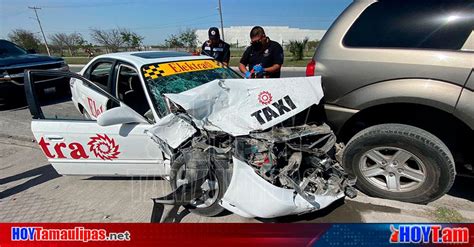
215 47
264 57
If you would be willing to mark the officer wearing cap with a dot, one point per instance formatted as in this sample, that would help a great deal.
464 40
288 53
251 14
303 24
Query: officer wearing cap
216 48
264 57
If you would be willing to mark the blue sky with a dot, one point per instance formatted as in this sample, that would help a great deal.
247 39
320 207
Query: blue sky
156 19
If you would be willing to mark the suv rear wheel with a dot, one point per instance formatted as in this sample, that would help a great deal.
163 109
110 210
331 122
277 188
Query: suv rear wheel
400 162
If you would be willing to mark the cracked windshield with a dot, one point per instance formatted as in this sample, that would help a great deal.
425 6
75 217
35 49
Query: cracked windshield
177 77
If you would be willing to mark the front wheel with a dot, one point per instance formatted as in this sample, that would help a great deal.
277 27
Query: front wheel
214 187
400 162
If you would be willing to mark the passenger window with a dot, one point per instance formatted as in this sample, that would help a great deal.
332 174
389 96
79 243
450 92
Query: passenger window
100 74
130 91
444 25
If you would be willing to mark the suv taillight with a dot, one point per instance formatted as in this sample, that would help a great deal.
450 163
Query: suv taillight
311 68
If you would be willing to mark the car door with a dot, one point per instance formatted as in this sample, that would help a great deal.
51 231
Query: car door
100 73
76 146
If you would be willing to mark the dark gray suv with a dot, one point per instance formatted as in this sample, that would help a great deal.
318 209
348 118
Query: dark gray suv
398 79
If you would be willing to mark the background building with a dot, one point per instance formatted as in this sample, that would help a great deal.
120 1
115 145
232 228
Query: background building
240 35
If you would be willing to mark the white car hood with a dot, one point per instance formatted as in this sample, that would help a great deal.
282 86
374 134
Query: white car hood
240 106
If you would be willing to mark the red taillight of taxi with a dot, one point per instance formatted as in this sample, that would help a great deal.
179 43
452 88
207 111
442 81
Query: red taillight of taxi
311 68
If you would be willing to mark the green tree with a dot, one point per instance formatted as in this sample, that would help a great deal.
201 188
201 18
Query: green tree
184 39
86 45
173 41
189 38
25 39
131 39
297 48
312 45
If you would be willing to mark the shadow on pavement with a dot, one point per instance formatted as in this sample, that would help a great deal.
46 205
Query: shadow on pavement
37 176
462 188
339 212
174 215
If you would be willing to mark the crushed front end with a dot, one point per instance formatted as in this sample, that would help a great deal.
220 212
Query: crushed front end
278 165
284 171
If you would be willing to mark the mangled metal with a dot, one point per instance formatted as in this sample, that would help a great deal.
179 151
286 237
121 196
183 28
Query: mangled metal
296 158
238 106
277 169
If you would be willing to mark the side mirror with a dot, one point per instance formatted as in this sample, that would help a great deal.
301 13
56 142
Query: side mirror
119 115
31 51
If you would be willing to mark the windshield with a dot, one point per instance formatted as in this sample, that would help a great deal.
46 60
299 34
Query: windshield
177 77
8 49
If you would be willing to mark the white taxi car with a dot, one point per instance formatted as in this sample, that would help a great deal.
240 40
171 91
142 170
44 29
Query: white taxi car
139 79
251 146
136 80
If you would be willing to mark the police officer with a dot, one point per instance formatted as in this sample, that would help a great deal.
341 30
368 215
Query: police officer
215 47
263 56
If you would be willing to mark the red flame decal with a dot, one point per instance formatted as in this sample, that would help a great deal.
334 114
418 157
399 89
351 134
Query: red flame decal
104 147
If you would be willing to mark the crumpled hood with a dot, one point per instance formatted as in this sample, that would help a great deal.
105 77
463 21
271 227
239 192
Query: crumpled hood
26 60
240 106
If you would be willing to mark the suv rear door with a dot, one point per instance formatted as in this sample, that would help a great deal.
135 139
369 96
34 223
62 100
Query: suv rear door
76 146
465 105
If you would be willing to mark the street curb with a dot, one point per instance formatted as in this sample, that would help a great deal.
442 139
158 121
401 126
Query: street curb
289 69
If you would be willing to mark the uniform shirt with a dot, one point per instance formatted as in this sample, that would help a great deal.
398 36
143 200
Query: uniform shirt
271 55
220 51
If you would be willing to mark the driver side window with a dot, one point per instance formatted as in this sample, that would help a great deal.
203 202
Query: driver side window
130 91
100 74
91 100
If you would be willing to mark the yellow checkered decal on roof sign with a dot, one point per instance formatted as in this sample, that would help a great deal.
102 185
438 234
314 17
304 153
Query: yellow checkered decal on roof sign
166 69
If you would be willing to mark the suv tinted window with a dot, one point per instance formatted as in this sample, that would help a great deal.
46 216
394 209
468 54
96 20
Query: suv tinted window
413 24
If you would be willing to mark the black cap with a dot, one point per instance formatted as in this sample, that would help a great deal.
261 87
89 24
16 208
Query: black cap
214 33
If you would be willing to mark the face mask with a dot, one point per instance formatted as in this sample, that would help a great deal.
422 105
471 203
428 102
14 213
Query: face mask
257 45
214 41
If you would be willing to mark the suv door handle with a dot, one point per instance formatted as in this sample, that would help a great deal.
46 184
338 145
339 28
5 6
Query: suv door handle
54 138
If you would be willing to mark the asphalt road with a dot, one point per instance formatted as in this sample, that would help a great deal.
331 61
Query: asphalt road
30 189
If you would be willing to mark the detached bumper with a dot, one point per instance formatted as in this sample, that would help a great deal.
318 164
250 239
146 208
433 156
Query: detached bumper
250 196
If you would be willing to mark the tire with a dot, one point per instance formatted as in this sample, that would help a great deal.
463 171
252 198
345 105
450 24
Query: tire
377 153
221 172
